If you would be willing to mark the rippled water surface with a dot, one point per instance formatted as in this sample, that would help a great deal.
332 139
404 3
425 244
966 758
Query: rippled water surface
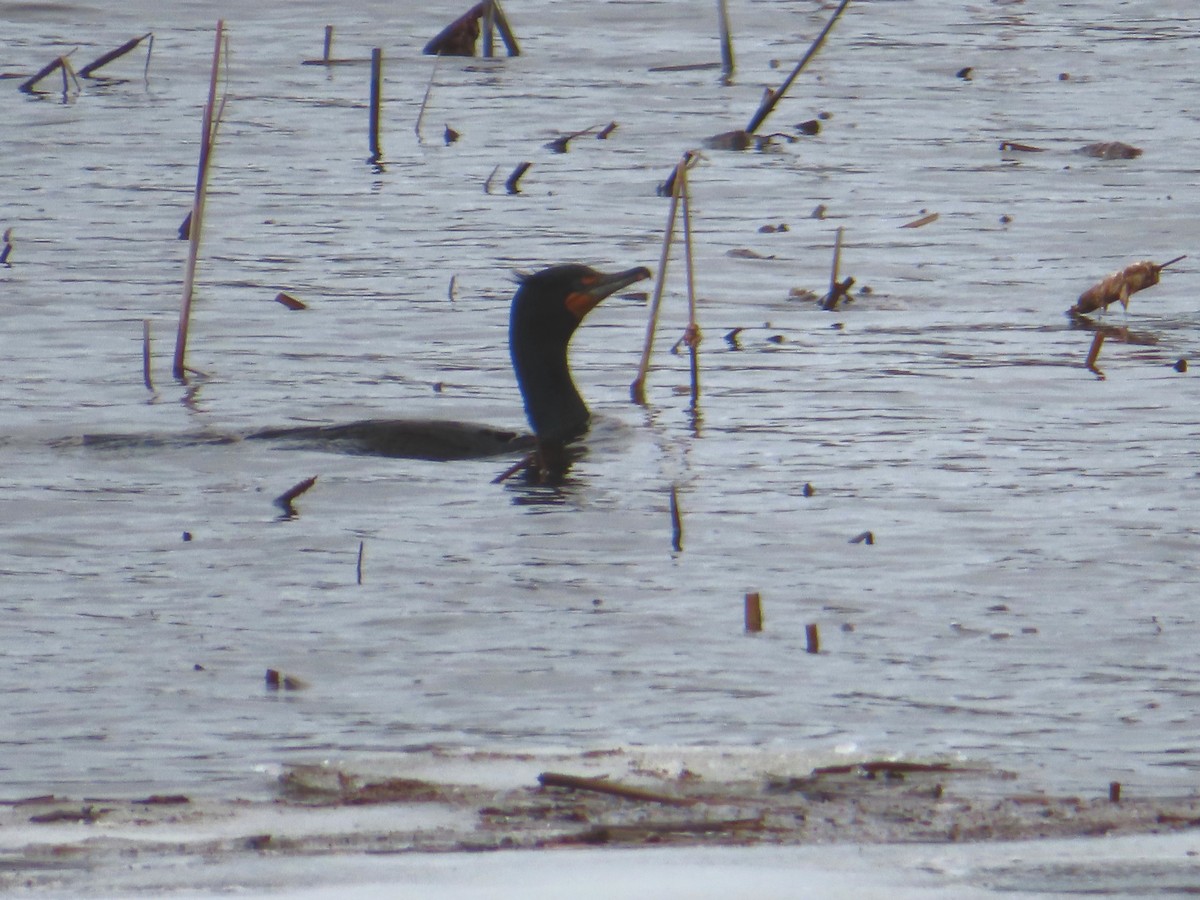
1029 600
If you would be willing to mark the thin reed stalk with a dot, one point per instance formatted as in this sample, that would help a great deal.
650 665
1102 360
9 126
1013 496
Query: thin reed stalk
637 390
425 100
692 335
207 139
376 99
772 99
726 39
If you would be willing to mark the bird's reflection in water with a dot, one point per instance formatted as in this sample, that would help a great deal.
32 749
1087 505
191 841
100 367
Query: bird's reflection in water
1119 333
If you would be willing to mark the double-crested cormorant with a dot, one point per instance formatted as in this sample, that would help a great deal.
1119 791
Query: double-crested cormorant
546 310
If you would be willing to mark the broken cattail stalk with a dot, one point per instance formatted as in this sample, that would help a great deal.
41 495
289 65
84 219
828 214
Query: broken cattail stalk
284 500
27 86
1120 286
86 71
146 355
754 616
328 50
812 639
838 290
676 522
771 100
726 39
376 99
207 138
637 390
1094 352
358 567
511 184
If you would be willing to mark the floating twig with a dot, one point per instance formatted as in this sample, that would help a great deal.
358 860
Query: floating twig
208 135
773 97
921 222
86 71
1020 148
290 302
1119 286
604 786
511 184
754 615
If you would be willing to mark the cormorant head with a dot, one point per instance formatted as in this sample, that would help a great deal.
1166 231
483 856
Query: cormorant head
547 308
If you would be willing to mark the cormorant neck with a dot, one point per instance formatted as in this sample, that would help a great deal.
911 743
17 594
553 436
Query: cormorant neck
552 402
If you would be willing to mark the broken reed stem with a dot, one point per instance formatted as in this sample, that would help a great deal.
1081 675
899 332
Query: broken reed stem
726 39
328 43
754 616
376 99
637 390
146 355
506 32
812 639
425 99
772 99
676 522
86 71
511 184
358 568
207 138
692 338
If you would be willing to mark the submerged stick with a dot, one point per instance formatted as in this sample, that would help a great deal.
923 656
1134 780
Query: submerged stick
328 44
376 91
129 45
207 137
772 99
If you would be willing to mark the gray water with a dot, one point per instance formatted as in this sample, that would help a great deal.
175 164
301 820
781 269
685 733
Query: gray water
1028 601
